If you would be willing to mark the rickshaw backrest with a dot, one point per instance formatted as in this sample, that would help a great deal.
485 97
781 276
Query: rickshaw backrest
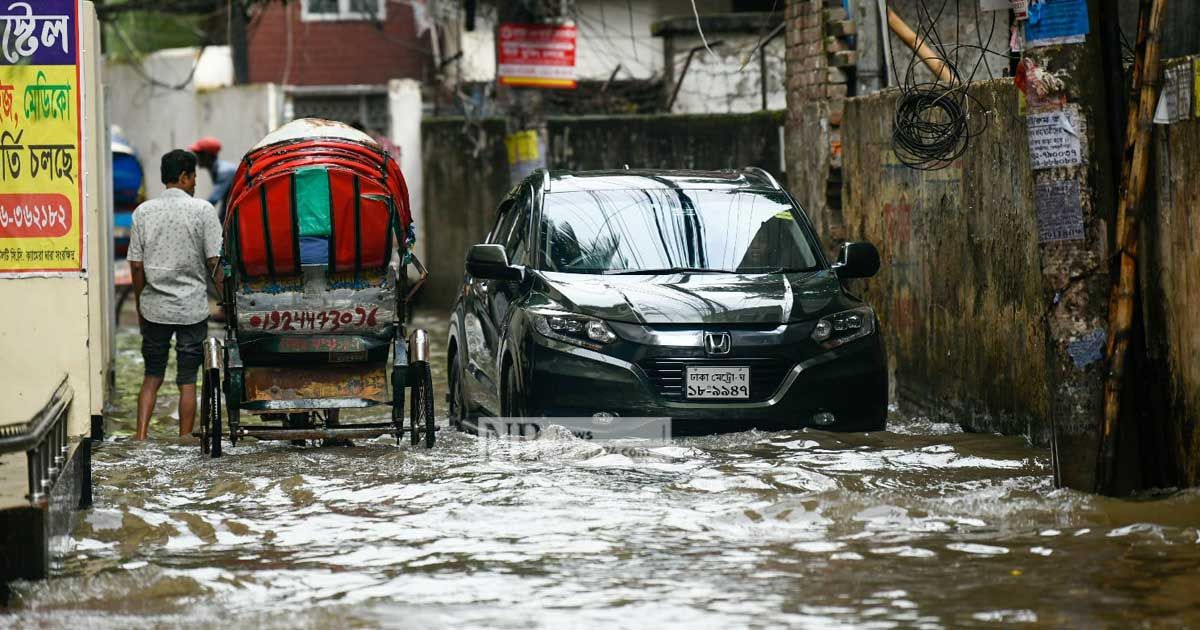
353 214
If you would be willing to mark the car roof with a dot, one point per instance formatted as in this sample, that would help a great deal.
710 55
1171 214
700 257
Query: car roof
652 179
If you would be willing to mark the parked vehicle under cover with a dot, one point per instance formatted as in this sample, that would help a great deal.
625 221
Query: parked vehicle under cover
690 295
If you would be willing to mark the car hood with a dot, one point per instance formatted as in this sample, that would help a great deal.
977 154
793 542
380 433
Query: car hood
703 298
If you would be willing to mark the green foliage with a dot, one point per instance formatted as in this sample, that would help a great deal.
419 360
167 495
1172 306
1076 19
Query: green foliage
134 28
129 36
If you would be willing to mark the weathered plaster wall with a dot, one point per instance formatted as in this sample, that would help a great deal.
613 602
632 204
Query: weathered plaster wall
466 168
465 176
713 141
960 292
1171 299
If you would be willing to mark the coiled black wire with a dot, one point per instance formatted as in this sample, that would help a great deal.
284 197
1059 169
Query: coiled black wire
932 126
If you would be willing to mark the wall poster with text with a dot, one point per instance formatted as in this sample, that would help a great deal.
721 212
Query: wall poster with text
41 184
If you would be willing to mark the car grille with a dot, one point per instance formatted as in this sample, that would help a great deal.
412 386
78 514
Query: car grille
765 376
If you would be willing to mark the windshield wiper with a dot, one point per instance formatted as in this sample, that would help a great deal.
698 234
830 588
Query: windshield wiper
650 272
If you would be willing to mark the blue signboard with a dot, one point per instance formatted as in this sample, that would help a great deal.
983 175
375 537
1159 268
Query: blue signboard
1057 22
38 32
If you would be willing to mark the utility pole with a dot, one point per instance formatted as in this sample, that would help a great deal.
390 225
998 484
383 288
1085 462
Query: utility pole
1071 90
238 44
1139 134
525 118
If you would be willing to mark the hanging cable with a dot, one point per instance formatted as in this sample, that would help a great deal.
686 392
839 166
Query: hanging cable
936 119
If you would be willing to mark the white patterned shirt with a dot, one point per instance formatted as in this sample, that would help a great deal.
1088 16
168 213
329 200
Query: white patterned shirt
173 237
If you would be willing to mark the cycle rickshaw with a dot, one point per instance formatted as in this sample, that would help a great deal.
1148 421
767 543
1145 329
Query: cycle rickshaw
315 267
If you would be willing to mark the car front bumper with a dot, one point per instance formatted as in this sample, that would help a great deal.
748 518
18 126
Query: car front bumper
849 382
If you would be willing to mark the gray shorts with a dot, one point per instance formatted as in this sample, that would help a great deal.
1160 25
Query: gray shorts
189 349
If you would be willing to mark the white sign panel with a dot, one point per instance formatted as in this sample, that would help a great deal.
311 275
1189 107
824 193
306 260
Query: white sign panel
1054 138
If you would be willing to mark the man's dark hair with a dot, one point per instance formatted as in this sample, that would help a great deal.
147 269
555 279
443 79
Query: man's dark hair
176 163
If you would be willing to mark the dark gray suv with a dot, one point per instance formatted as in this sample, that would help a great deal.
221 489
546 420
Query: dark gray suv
699 296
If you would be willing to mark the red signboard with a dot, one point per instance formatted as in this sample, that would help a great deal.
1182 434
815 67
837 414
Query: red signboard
536 55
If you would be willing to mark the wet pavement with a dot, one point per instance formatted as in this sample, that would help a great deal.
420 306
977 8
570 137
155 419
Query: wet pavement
922 526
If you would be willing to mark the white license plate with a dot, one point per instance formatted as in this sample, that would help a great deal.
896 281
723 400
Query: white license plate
717 382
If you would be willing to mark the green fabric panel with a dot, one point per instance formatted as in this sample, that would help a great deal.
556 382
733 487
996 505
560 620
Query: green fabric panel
312 201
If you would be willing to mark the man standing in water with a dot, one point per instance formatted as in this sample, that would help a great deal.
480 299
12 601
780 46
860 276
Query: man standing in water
174 243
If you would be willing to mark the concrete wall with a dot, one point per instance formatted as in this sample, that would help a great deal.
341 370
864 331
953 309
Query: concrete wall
465 175
610 32
730 79
466 168
159 109
960 291
663 141
1171 299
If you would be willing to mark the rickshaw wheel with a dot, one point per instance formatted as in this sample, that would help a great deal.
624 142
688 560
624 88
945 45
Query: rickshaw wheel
422 406
210 413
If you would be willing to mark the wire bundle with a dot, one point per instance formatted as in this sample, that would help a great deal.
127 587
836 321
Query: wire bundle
932 126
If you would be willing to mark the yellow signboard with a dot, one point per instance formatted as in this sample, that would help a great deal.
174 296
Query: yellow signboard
41 184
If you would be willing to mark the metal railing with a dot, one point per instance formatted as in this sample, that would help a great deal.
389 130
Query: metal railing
44 440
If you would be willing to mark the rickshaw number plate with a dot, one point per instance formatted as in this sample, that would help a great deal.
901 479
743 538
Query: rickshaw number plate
347 357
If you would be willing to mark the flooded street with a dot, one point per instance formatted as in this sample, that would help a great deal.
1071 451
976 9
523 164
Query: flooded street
923 526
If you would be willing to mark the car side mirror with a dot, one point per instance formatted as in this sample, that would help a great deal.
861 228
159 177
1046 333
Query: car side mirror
490 262
857 260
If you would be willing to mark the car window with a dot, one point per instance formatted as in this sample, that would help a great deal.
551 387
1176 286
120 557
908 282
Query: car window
658 229
516 244
504 219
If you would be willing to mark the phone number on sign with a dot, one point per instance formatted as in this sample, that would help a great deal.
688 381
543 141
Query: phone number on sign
331 320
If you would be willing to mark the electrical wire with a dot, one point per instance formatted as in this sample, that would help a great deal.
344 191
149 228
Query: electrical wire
935 120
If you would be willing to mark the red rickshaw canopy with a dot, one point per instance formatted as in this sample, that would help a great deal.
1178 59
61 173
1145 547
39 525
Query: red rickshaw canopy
323 183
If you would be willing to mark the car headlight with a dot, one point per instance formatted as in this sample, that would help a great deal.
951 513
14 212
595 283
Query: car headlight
572 328
841 328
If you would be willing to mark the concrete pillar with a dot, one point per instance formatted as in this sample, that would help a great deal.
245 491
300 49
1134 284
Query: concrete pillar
404 109
1075 272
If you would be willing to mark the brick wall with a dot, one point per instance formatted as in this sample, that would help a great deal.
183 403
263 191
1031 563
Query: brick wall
335 53
820 59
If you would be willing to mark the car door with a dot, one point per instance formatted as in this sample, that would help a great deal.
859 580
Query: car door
504 294
481 327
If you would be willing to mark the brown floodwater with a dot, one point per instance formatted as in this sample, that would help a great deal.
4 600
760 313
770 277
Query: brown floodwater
920 527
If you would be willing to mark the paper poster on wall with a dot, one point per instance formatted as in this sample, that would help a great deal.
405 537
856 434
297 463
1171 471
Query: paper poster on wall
1053 22
1059 211
1054 138
1018 7
1175 100
41 218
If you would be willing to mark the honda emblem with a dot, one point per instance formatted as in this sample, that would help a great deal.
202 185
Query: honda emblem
717 343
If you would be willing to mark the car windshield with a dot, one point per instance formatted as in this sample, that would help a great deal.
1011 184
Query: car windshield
644 231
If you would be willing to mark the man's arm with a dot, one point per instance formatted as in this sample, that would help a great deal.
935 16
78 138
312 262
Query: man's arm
139 282
218 278
136 267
